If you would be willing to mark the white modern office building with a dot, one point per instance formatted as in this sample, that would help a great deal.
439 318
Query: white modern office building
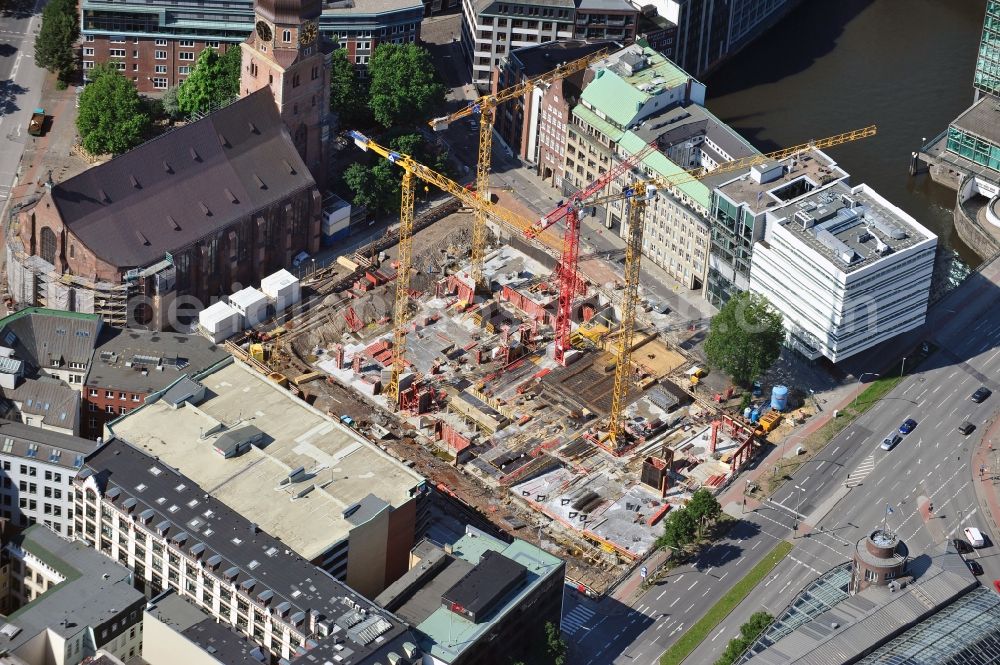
846 268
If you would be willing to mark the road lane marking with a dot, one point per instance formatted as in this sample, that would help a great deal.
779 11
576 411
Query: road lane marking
674 603
693 585
721 630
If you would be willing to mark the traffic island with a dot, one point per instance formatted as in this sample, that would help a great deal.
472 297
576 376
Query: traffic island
690 640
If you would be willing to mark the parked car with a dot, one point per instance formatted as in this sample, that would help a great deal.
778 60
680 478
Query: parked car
907 426
981 394
961 546
966 428
889 442
996 585
974 536
974 567
299 259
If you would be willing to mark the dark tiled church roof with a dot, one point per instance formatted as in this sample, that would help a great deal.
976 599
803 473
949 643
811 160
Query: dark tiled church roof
184 185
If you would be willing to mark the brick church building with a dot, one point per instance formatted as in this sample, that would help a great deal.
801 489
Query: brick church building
222 201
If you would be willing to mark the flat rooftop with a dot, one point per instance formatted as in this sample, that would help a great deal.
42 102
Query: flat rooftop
540 58
981 119
343 468
94 589
643 67
813 165
143 362
853 227
234 548
445 634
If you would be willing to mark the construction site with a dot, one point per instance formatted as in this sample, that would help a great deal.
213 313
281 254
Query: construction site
474 344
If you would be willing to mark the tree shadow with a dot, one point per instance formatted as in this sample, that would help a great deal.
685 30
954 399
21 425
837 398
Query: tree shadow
9 92
7 50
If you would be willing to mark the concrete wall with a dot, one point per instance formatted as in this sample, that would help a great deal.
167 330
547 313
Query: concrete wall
366 558
972 233
162 645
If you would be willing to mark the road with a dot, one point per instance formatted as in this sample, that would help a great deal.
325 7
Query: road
931 465
20 84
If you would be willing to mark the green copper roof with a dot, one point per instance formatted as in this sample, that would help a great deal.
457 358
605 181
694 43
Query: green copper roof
611 95
445 634
595 121
662 166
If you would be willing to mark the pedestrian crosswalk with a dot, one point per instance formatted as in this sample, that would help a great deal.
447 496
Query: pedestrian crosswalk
576 619
860 473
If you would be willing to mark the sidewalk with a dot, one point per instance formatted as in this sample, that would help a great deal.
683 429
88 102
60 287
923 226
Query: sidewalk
985 483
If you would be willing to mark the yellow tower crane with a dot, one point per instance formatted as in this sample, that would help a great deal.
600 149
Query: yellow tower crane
637 194
412 170
485 107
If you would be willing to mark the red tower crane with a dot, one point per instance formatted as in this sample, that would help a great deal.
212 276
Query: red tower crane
566 271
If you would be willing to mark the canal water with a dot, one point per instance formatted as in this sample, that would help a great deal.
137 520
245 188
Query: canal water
835 65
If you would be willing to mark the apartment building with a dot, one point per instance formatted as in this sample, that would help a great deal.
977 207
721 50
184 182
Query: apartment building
846 268
37 476
324 490
638 98
534 126
130 365
492 29
172 534
66 603
157 42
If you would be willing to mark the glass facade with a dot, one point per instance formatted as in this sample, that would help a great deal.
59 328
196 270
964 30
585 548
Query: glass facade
988 62
974 148
732 245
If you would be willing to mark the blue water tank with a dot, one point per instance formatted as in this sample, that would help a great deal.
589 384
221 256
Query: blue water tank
746 413
755 415
779 398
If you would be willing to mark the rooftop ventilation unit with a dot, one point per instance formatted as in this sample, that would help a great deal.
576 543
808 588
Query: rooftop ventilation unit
805 219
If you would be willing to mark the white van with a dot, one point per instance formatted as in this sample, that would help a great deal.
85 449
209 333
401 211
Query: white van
974 536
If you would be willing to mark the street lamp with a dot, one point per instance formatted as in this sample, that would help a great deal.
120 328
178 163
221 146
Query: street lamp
798 507
902 368
860 379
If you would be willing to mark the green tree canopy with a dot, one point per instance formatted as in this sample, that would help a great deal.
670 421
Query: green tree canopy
213 81
55 43
745 337
554 642
403 88
347 91
749 631
678 529
375 187
111 117
704 507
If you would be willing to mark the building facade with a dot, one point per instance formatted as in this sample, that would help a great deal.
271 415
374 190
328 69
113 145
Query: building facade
708 32
638 100
987 77
492 29
847 269
536 123
156 44
66 603
164 528
129 366
36 484
116 241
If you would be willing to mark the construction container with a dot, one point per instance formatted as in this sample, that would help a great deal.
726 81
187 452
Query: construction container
220 321
282 288
770 420
251 304
279 378
779 398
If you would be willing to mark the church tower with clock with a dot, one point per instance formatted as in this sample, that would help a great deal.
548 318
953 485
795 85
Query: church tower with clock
285 53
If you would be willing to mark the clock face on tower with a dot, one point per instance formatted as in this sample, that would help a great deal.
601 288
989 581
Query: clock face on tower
264 31
308 33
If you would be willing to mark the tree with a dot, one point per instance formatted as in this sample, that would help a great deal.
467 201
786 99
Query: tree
55 44
749 631
556 644
212 82
346 91
375 187
745 337
678 529
111 117
704 507
403 87
169 103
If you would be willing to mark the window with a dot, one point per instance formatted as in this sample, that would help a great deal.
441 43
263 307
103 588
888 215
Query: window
183 69
123 410
135 68
186 43
161 42
32 472
286 36
160 55
212 45
161 69
89 38
117 53
88 64
185 55
110 394
295 81
111 409
122 396
135 398
117 39
48 476
88 50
